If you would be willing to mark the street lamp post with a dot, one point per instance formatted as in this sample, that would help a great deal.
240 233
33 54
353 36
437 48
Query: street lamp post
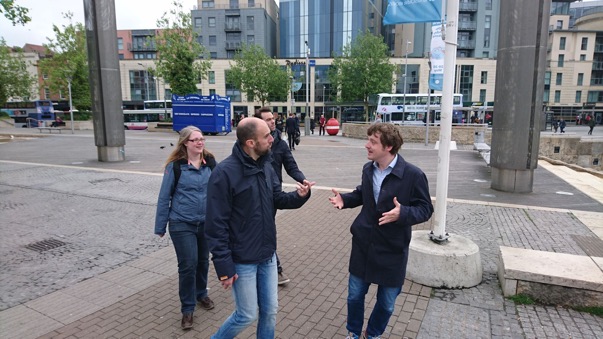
70 103
404 75
307 119
146 80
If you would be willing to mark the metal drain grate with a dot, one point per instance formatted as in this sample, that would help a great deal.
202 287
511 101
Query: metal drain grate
45 245
592 246
99 181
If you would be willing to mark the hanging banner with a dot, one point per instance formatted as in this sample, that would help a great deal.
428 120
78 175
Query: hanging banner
410 11
436 57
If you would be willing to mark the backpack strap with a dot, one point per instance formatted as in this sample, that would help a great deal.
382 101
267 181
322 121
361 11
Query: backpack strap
209 162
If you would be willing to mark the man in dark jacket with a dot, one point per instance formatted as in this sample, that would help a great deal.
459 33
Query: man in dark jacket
242 193
281 156
394 195
292 129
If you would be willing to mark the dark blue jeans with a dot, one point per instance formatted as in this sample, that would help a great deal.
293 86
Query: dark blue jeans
384 307
193 262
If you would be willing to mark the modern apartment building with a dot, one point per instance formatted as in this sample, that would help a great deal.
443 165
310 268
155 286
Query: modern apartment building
224 26
574 75
325 25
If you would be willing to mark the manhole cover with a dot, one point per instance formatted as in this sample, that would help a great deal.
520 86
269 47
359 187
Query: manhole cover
45 245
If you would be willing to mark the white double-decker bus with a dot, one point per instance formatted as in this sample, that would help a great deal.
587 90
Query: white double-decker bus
410 109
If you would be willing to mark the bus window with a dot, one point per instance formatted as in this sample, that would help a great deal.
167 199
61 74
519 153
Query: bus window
436 100
386 100
422 100
411 100
398 101
397 116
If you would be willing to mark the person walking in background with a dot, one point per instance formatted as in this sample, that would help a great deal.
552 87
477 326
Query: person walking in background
181 204
312 125
591 124
321 125
281 156
394 196
377 119
242 194
291 128
280 125
562 126
555 125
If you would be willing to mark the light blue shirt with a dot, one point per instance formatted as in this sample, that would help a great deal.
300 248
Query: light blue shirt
379 176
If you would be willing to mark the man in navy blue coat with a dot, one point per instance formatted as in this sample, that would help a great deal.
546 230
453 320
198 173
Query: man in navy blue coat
281 157
292 128
394 196
242 193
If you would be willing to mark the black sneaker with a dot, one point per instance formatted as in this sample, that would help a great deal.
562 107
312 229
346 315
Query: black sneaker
282 278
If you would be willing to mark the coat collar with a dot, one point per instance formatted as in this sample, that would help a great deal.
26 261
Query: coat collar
250 166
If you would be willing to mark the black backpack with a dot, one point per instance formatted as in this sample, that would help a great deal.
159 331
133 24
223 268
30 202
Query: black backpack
209 162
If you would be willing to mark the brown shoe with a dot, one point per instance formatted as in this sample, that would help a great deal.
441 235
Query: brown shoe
187 321
206 303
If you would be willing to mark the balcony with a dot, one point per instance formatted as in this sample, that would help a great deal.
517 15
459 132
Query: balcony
143 48
467 26
233 45
232 27
466 44
468 7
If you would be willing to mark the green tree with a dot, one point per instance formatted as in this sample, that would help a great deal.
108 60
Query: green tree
362 69
68 58
178 51
256 74
15 80
16 14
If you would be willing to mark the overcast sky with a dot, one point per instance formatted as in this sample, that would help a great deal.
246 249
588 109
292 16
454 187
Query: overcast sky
131 14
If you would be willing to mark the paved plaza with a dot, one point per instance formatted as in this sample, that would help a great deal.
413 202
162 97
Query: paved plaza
108 276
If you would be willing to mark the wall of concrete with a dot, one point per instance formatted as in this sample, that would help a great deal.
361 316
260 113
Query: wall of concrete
584 152
463 135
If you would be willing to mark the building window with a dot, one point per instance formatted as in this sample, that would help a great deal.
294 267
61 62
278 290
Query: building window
44 76
46 93
212 40
582 57
562 43
578 96
487 23
557 96
212 91
250 23
559 24
200 40
485 55
211 76
230 54
560 60
558 79
198 22
211 22
213 55
584 44
120 43
234 4
207 4
547 78
121 56
545 95
580 79
61 95
482 96
484 78
488 4
250 39
250 3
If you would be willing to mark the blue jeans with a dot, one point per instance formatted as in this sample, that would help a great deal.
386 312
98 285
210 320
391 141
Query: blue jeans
255 288
384 307
193 262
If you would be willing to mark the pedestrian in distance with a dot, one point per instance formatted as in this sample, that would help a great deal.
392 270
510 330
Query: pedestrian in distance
377 118
280 125
292 128
312 125
591 124
242 193
182 205
394 196
562 126
555 126
321 125
281 156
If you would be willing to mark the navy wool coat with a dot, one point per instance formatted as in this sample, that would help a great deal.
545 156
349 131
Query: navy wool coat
380 253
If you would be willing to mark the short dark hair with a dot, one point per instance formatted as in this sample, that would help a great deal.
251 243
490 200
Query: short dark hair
258 113
389 135
247 130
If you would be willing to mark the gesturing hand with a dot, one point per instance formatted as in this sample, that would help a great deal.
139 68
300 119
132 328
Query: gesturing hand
337 201
392 215
304 188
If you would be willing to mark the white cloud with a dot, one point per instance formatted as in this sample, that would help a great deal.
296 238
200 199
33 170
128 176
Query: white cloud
130 14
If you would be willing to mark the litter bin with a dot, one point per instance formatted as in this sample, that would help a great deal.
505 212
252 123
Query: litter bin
478 136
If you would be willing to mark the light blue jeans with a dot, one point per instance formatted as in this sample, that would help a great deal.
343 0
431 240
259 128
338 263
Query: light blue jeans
256 288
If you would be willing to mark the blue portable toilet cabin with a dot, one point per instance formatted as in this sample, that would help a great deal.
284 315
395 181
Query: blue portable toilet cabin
211 113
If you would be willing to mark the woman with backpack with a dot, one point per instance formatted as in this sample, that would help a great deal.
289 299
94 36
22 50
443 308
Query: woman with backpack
181 205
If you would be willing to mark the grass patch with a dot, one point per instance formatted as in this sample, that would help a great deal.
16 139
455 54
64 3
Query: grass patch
598 311
522 299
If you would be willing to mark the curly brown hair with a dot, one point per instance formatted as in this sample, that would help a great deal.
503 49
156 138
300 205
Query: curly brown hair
389 135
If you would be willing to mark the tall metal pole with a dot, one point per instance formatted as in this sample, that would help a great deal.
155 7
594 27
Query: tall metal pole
428 108
307 119
70 104
452 13
404 75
